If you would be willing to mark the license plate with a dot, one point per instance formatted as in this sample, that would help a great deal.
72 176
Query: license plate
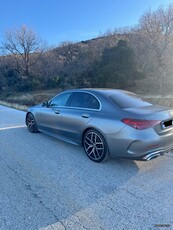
167 124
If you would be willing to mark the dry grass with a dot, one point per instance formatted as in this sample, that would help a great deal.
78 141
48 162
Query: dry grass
22 101
161 100
14 105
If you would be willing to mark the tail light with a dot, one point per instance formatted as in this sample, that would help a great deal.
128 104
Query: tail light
140 124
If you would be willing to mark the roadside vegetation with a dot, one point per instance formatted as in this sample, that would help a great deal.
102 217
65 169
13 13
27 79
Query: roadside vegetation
138 59
23 100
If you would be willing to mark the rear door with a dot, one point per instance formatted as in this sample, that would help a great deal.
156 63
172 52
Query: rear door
82 107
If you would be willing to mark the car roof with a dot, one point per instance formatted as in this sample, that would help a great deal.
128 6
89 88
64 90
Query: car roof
104 91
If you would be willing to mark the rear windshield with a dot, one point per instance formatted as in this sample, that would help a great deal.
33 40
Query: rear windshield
128 100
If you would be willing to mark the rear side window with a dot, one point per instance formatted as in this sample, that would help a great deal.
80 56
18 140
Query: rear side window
128 100
84 100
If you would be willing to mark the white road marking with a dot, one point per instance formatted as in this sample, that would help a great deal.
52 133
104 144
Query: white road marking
13 127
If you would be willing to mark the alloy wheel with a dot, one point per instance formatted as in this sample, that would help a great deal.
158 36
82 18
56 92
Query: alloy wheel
31 124
95 146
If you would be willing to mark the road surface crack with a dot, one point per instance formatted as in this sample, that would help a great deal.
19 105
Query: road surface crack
30 188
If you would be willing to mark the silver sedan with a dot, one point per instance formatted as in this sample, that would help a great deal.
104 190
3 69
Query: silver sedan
106 122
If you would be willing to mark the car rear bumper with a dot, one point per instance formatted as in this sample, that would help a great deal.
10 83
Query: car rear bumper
152 155
139 145
157 153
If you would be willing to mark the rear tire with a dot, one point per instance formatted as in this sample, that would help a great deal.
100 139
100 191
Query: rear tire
31 123
95 146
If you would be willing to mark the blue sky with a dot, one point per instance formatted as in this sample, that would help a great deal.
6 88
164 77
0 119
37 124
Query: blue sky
72 20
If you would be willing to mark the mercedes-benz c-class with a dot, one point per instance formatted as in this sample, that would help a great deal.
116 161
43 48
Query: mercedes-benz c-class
106 122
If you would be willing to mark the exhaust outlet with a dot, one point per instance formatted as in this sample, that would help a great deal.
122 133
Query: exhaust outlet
152 156
156 154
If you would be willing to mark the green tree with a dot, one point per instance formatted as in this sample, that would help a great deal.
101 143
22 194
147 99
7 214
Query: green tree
117 66
9 78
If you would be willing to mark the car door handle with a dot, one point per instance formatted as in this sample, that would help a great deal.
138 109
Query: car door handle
57 111
84 115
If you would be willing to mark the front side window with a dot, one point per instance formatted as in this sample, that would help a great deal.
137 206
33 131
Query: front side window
84 100
60 100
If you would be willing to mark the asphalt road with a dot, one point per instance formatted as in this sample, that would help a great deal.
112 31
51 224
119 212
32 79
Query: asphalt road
47 184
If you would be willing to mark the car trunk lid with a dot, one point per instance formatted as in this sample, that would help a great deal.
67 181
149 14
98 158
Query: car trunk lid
157 113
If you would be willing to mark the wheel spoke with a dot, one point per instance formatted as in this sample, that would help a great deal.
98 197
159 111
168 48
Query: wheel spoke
98 153
87 142
92 136
90 146
95 157
91 152
88 139
100 148
99 143
30 123
95 139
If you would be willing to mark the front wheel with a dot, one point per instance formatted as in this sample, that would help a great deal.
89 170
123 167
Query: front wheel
31 124
95 146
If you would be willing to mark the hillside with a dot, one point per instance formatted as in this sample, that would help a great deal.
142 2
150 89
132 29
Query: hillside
138 59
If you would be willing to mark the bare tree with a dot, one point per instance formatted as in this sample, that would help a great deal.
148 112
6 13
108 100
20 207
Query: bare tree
157 29
68 51
25 46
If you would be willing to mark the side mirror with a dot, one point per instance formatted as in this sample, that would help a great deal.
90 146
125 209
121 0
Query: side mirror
45 104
